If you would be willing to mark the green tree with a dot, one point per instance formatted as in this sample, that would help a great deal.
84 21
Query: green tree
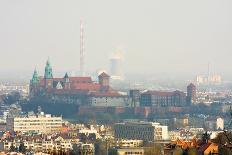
100 147
192 151
12 148
22 148
178 151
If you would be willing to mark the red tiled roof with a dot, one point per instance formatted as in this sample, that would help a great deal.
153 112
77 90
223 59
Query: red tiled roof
103 74
204 147
86 86
58 79
80 79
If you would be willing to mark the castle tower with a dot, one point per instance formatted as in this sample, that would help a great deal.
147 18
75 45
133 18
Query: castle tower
48 76
191 94
34 84
35 78
66 81
48 70
104 79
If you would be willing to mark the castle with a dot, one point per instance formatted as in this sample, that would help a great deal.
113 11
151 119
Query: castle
76 90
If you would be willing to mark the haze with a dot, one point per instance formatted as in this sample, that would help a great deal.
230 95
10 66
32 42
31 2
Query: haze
174 37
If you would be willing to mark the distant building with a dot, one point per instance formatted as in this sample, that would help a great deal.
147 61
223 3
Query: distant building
191 94
147 131
163 99
75 90
134 95
213 79
182 121
38 123
214 123
116 67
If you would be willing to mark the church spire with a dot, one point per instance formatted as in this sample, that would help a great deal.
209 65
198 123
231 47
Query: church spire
48 70
35 77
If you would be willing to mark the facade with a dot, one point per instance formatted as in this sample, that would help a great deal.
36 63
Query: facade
108 100
41 145
85 149
163 99
191 94
131 151
147 131
214 123
182 121
38 123
135 96
128 143
75 90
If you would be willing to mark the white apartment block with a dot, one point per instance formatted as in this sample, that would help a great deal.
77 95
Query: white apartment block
39 123
128 143
147 131
44 145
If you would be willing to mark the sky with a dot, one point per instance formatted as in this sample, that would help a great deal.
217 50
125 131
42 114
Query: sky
173 37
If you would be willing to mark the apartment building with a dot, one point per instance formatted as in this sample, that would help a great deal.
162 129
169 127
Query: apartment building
42 123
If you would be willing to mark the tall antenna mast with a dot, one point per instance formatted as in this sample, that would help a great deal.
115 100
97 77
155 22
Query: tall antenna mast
81 48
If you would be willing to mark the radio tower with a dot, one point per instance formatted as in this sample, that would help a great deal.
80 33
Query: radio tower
81 48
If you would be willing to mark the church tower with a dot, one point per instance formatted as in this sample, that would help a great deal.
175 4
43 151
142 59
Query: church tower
104 79
34 84
66 81
48 75
48 70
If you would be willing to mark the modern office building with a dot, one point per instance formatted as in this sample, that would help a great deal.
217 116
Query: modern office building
147 131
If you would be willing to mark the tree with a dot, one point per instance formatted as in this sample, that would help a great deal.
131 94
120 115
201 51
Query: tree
74 149
205 137
100 147
192 151
12 148
22 148
178 151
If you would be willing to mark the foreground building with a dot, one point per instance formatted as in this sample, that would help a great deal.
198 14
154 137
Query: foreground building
34 123
147 131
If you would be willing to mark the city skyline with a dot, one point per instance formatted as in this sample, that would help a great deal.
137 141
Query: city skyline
155 37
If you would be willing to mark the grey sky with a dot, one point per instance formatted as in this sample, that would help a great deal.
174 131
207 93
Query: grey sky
176 36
